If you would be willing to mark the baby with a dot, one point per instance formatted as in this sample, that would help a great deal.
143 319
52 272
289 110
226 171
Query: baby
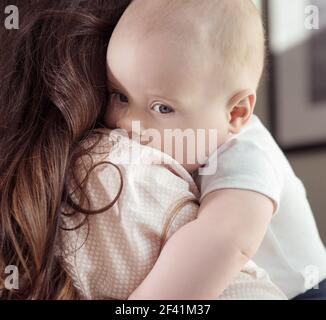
197 65
140 197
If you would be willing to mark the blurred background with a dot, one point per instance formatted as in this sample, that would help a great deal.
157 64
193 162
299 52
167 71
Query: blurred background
292 95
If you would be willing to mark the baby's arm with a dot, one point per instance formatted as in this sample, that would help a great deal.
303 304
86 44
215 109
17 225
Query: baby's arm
202 258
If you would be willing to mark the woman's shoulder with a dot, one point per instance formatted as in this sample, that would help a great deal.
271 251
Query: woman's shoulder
112 149
115 145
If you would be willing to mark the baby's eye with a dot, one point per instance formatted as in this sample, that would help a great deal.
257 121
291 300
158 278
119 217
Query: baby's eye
121 98
161 108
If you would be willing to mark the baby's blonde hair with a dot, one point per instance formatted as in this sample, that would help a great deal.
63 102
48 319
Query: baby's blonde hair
229 33
241 41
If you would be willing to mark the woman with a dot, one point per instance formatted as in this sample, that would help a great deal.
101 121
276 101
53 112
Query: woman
52 94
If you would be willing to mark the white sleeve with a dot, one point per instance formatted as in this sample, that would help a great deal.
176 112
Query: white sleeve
243 164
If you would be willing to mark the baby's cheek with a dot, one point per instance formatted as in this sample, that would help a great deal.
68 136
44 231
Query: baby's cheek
110 118
207 141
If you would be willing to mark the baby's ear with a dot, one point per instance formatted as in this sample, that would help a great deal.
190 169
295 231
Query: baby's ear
240 109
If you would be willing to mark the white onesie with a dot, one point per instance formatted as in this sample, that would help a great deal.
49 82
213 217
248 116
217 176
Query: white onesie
292 252
111 255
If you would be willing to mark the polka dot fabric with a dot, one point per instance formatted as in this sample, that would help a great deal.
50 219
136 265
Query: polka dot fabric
110 255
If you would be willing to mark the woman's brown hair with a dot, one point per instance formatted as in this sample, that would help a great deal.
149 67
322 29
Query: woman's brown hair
52 95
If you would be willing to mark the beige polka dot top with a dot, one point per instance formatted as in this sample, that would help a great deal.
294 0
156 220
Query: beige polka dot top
111 254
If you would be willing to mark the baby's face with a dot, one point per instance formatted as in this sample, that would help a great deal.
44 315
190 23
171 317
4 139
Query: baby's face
166 86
